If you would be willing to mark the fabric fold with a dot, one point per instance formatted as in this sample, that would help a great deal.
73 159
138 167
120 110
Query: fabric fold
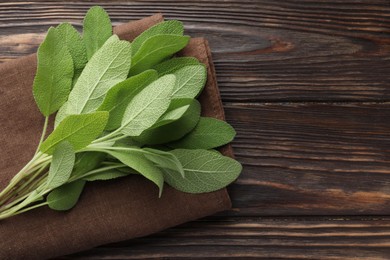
109 211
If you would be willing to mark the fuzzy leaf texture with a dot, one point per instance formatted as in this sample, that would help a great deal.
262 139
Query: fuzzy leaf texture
171 115
190 81
208 133
119 96
66 196
163 159
170 129
137 161
174 64
205 171
106 175
109 66
146 107
75 46
97 29
87 161
156 49
167 27
61 165
78 130
53 79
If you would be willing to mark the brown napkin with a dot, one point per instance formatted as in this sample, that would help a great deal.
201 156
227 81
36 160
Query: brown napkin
108 211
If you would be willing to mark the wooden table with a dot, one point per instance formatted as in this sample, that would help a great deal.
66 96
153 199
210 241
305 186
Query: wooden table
306 84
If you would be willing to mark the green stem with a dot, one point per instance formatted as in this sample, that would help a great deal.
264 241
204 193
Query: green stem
31 198
15 179
105 148
45 124
97 171
25 171
38 164
20 191
25 192
13 203
30 208
108 137
31 166
119 137
22 172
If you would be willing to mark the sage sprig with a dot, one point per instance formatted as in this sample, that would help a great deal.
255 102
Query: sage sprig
122 109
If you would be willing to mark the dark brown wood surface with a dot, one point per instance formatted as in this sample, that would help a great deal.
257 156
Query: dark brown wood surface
306 84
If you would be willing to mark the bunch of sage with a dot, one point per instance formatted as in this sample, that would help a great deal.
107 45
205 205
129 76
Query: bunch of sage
122 108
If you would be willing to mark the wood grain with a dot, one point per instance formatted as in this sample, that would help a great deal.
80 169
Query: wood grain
263 50
259 238
306 85
311 159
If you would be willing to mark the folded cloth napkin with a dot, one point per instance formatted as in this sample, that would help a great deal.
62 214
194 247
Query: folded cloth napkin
108 211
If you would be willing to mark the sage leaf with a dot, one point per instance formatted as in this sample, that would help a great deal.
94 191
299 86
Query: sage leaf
174 64
171 115
156 49
34 196
75 46
147 107
87 161
61 165
66 196
119 96
105 175
61 114
167 27
166 130
137 161
205 171
109 66
126 142
208 133
78 130
163 159
190 81
97 29
127 170
53 79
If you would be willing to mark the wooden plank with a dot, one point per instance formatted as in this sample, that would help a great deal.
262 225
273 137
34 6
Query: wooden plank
263 50
299 158
270 238
311 159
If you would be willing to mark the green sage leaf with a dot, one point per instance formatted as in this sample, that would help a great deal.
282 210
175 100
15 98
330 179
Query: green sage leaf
171 115
156 49
205 171
109 66
53 79
87 161
167 27
167 130
66 196
76 47
119 96
106 175
97 29
61 165
78 130
61 114
147 106
33 197
137 161
174 64
163 159
208 133
190 81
